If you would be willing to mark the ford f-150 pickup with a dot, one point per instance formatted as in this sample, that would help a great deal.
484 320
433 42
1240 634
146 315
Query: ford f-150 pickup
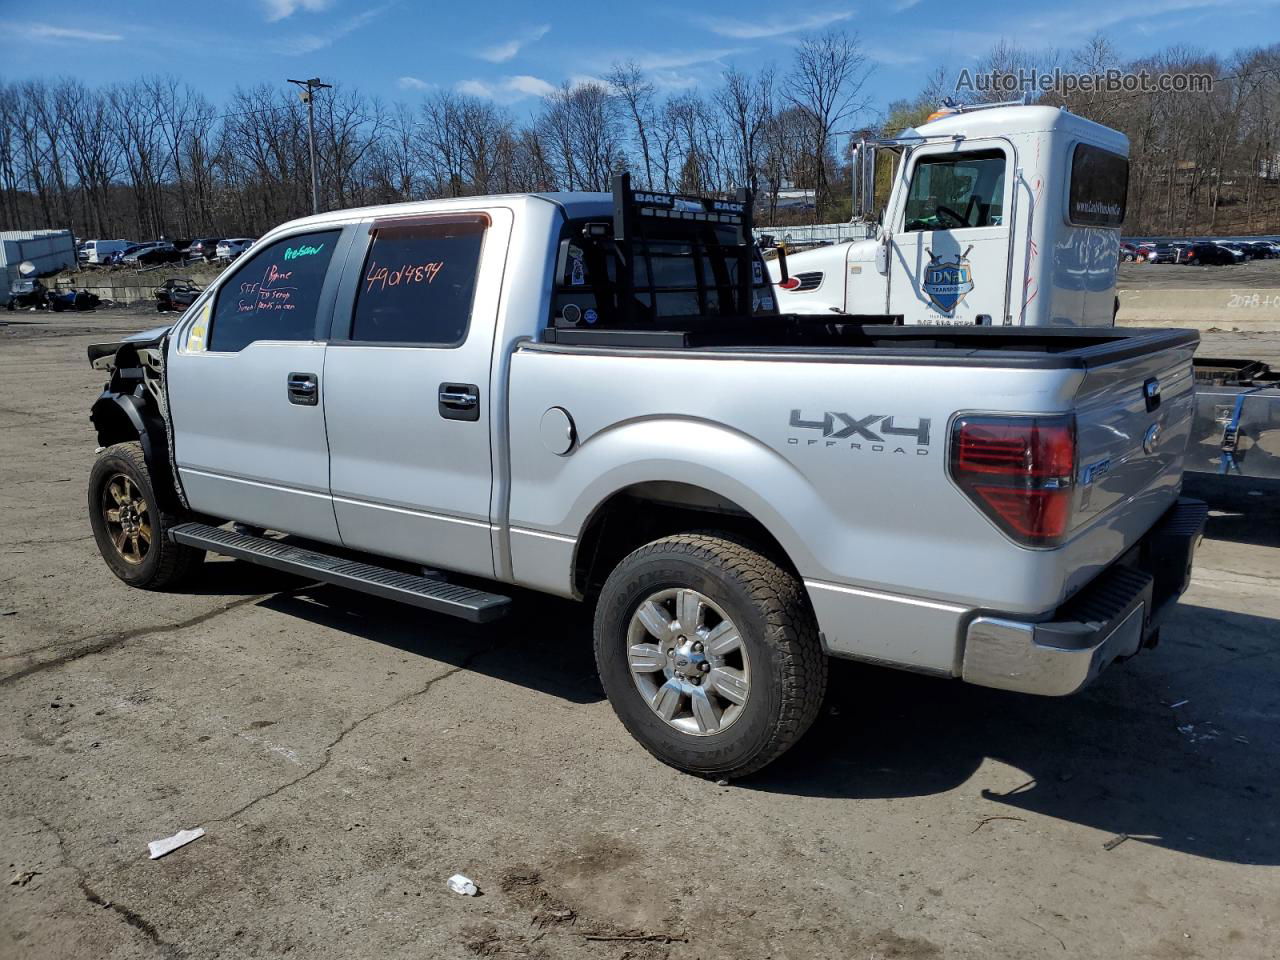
594 396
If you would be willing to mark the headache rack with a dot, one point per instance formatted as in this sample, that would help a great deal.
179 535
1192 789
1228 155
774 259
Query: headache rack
672 270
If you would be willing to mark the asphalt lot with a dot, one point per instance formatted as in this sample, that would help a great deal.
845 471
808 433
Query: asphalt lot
346 756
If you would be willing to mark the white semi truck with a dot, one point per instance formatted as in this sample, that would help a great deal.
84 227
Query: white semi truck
1010 215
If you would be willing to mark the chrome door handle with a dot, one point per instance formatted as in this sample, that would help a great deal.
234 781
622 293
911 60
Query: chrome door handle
304 389
459 401
464 401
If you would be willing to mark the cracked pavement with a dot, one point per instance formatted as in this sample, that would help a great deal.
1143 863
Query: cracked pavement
345 756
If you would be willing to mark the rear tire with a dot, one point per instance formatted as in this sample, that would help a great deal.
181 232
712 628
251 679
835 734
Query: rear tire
130 526
708 651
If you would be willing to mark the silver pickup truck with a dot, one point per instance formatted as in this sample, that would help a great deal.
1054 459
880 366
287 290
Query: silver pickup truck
594 396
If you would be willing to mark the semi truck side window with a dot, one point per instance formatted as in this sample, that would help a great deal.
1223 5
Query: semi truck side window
418 283
275 294
955 191
1099 183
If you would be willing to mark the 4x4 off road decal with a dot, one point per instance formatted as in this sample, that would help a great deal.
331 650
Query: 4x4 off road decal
947 281
838 429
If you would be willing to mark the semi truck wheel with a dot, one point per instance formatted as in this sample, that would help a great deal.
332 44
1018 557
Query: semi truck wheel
131 529
709 654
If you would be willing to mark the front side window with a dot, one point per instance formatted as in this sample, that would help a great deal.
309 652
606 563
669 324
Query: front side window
1099 183
418 282
275 295
955 191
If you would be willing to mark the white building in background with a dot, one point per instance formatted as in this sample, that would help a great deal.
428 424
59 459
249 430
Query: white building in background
49 250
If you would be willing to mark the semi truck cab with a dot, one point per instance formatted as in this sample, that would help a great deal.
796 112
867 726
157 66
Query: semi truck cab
998 216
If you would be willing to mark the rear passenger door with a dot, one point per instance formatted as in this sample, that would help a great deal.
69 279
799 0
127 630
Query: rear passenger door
407 396
245 386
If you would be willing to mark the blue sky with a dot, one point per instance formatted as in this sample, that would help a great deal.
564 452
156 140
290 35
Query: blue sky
513 52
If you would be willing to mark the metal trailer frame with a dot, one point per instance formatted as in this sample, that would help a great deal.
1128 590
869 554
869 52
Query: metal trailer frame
1236 430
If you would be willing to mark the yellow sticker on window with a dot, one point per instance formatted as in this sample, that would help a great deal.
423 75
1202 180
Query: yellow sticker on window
198 335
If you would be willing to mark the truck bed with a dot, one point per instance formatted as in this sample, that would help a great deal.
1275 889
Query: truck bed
797 338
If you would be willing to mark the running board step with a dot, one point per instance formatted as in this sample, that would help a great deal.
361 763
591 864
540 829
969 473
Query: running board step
435 595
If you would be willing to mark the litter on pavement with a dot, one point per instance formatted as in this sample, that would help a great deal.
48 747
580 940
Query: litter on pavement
160 847
463 885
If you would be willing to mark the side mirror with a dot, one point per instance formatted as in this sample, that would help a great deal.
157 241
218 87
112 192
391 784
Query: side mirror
868 157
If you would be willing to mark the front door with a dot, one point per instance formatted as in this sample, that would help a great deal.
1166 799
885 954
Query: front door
245 387
407 396
950 239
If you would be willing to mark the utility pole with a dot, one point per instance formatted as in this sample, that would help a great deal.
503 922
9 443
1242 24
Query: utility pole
308 88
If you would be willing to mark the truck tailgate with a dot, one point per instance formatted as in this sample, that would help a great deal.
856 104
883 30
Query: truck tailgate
1133 421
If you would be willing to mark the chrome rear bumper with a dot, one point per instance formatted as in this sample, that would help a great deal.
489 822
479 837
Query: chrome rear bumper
1111 618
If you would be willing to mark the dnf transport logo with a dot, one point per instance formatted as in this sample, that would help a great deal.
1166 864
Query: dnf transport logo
875 433
947 281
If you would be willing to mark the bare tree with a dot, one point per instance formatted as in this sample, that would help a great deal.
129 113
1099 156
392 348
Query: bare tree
746 104
825 83
632 88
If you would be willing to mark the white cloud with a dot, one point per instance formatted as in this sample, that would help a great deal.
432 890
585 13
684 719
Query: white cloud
42 32
904 5
1081 22
280 9
673 80
507 89
311 42
502 52
675 59
747 29
532 86
413 83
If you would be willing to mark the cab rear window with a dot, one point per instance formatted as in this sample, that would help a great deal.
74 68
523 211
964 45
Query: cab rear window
1099 184
678 269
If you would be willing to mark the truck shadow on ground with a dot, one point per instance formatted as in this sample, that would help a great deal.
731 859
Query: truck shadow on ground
544 644
1113 758
1200 778
1242 509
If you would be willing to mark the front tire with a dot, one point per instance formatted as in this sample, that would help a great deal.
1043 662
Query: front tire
130 526
708 651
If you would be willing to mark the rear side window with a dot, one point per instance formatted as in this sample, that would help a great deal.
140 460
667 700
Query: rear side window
274 296
1099 183
418 282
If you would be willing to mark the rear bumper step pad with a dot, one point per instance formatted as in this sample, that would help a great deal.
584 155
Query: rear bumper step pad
438 596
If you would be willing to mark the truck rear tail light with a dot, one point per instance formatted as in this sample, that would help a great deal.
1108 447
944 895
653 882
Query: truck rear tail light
1018 471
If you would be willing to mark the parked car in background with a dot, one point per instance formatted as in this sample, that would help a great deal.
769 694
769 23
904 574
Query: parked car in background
1128 252
1206 253
135 253
232 248
1162 253
161 252
206 247
1234 249
131 252
1262 249
101 251
27 293
177 294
